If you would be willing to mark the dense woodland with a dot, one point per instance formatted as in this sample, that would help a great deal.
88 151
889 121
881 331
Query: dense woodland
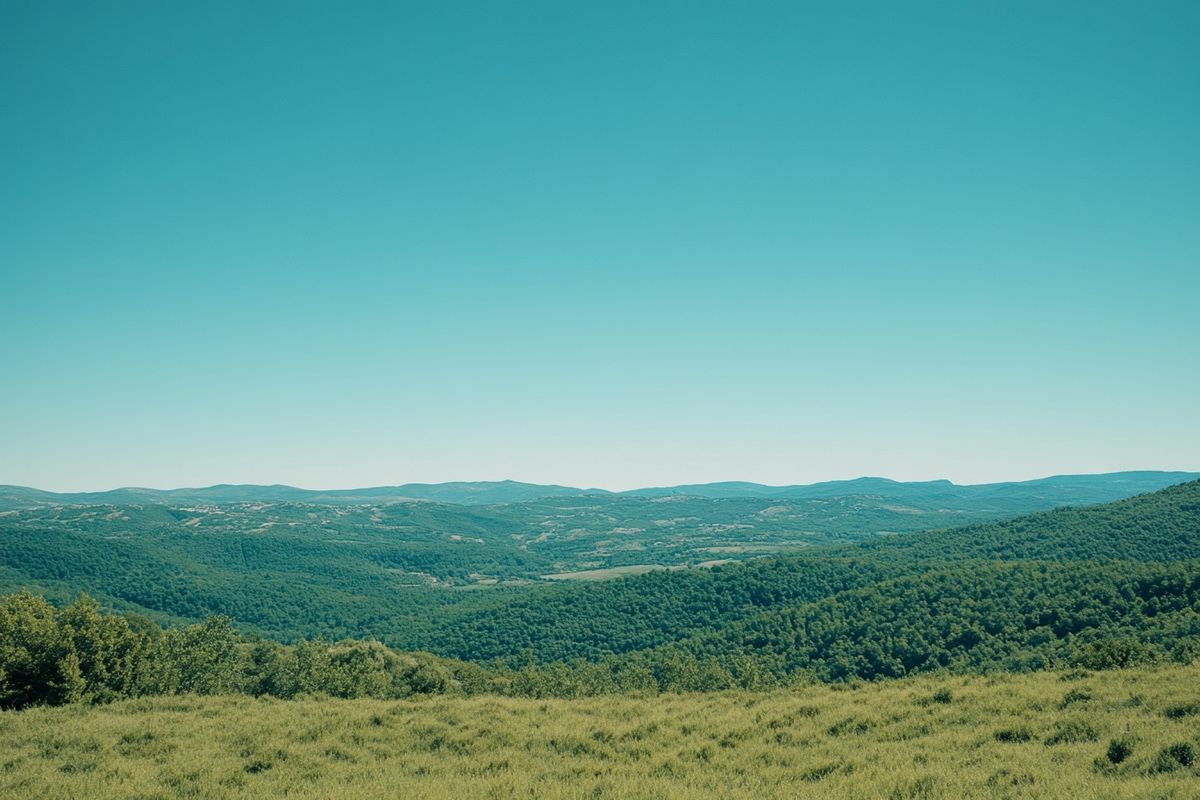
432 576
1132 549
1105 586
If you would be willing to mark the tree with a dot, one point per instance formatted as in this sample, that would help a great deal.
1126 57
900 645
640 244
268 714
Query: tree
31 650
202 658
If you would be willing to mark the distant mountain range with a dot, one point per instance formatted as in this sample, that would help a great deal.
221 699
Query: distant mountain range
1056 490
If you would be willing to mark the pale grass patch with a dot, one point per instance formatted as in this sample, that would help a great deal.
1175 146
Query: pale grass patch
929 737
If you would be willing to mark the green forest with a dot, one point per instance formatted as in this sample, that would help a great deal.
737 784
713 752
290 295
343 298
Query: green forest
1080 601
431 575
1098 587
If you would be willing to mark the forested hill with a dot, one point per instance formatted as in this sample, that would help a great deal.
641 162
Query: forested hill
941 593
1045 588
1058 489
296 570
458 492
975 616
594 620
1162 526
1012 497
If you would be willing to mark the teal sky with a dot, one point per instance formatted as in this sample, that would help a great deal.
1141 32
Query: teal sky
606 244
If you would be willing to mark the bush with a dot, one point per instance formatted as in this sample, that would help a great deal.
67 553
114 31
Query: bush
1114 654
1181 711
1169 759
1119 750
1013 735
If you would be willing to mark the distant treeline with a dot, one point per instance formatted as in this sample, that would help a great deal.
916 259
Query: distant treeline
80 654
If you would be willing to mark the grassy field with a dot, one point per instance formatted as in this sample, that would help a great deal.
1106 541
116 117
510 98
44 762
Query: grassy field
607 574
1128 734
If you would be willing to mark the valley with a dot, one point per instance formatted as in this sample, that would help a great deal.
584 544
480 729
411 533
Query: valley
426 646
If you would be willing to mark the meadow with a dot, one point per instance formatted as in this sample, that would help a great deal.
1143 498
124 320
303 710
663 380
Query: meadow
1129 733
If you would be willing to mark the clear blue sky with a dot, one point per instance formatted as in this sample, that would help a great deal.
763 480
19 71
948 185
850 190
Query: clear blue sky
611 244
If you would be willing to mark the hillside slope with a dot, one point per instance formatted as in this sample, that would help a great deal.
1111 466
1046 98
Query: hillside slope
1009 497
460 492
975 616
302 569
1156 535
298 570
1162 526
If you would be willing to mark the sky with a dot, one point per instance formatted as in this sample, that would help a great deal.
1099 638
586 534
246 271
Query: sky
600 244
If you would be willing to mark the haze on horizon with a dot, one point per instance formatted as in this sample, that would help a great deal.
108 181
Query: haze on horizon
589 487
596 245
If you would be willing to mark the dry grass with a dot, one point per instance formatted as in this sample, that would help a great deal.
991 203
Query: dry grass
1042 735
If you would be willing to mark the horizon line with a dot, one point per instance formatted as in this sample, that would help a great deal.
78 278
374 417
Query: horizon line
132 487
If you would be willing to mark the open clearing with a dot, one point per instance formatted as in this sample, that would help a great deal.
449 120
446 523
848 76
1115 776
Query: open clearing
608 573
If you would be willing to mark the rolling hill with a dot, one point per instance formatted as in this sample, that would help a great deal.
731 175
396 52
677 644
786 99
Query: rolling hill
1010 497
1012 593
1140 556
463 492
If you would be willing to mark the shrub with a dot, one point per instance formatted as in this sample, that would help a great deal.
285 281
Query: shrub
1181 711
1021 734
1169 759
1119 750
1113 654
